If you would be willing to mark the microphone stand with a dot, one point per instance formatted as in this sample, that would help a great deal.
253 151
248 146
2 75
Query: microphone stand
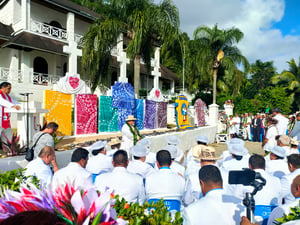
26 95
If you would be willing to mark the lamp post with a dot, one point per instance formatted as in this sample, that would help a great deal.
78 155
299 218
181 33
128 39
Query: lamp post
216 65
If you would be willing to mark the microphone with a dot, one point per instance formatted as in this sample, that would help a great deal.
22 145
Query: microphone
26 93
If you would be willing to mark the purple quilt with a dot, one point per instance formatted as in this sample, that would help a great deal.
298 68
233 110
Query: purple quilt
150 114
161 114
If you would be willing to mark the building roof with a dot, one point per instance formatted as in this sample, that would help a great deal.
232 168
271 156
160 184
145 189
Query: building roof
29 41
72 7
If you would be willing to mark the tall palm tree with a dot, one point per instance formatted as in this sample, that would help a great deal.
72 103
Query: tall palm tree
145 23
290 79
210 45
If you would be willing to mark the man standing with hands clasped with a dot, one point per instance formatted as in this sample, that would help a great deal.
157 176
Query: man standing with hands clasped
6 102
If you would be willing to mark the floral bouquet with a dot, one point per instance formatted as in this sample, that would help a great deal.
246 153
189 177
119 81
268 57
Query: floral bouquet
73 207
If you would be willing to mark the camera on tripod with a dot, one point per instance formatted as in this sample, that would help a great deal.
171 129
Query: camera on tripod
248 177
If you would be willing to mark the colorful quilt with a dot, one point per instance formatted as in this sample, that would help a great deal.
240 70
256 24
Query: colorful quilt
150 114
139 113
108 116
86 113
200 112
123 96
161 114
122 116
60 110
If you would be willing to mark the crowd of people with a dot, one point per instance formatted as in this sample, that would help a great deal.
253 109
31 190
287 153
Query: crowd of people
196 181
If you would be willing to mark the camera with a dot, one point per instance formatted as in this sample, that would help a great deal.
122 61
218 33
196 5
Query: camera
245 177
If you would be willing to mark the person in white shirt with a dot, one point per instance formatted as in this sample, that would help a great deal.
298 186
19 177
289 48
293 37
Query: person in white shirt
74 173
284 142
115 145
175 166
236 121
128 185
272 132
151 156
130 134
283 122
175 141
99 162
164 183
285 208
206 156
270 194
215 207
286 181
138 164
40 168
277 165
6 101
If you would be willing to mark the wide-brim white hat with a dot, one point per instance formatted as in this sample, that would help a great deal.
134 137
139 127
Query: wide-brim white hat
235 141
130 118
98 145
203 139
173 140
237 149
114 141
174 151
144 141
279 151
139 150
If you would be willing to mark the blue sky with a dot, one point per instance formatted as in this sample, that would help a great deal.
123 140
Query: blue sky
271 27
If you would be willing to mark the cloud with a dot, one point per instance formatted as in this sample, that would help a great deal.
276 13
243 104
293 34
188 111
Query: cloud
254 18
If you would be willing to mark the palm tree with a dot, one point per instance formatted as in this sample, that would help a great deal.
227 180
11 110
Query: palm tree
290 79
210 45
145 23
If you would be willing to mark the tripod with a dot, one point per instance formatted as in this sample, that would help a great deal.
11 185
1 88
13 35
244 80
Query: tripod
249 201
26 96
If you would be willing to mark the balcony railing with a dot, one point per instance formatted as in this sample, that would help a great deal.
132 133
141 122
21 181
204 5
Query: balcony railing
7 74
44 79
42 28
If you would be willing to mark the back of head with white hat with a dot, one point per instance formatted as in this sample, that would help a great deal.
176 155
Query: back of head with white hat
145 142
173 140
139 150
173 151
98 145
237 149
279 151
203 139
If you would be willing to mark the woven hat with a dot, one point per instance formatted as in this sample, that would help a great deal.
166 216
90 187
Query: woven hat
173 140
237 149
294 141
279 151
139 150
203 139
114 141
130 118
204 153
174 151
98 145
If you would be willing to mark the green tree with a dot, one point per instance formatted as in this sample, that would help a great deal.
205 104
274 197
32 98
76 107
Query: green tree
274 97
143 22
261 73
290 80
208 43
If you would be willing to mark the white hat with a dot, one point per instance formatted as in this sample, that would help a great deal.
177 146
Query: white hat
237 149
268 147
145 142
174 151
279 151
130 118
139 150
203 139
98 145
235 141
173 140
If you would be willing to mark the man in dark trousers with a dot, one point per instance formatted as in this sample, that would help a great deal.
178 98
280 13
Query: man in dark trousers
256 125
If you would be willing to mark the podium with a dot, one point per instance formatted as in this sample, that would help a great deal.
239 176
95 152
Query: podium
35 110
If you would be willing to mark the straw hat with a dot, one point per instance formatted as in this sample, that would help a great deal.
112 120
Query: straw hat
294 141
130 118
114 141
98 145
139 150
204 153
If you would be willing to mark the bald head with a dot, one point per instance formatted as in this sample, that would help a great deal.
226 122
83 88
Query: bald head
47 154
295 187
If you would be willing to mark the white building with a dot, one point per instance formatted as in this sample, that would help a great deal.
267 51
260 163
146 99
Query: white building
40 41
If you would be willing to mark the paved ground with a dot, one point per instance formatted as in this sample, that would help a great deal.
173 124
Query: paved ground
253 147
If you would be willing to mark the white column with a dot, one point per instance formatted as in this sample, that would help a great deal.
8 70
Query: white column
228 110
156 65
25 14
213 110
172 87
123 60
25 67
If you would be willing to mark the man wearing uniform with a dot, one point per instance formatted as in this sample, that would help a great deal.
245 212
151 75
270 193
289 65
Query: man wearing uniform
215 207
164 183
277 165
130 134
128 185
175 166
74 173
